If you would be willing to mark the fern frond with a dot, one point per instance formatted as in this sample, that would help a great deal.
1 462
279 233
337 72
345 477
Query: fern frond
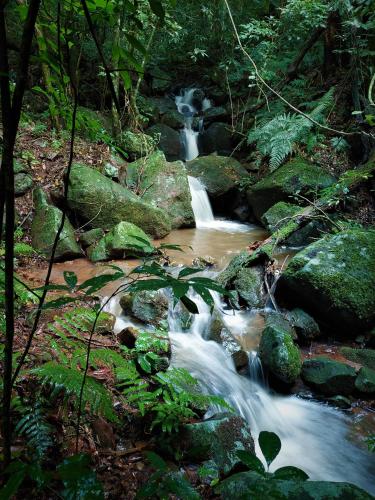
34 427
69 380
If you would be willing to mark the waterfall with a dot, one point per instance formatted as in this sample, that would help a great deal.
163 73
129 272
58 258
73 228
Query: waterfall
200 203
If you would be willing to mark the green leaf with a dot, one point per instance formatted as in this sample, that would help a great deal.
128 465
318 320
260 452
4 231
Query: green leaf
292 473
148 284
79 479
156 461
136 44
270 445
61 301
70 279
190 305
157 8
251 461
187 271
12 485
98 282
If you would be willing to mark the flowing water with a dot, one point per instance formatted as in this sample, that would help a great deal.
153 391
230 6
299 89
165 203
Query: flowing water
189 136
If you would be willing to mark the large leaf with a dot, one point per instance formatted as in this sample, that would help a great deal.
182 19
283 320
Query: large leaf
70 279
270 445
292 473
251 461
157 8
98 282
190 305
61 301
148 284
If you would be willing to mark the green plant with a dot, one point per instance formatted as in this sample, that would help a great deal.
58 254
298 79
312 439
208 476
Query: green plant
280 136
34 427
270 446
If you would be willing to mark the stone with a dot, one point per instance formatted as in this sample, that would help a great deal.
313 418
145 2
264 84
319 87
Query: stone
150 307
306 327
334 280
216 113
92 236
126 302
278 215
125 238
218 138
44 228
102 203
165 185
219 174
204 261
167 139
365 381
217 438
328 376
136 145
365 357
277 350
249 285
173 119
246 485
23 182
105 323
128 337
296 176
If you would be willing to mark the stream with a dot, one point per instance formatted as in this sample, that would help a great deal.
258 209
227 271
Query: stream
313 435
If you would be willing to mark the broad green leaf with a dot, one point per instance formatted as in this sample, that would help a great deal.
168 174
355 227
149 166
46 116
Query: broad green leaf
190 305
148 284
98 282
156 461
179 289
136 44
61 301
157 8
70 279
187 271
270 445
292 473
251 461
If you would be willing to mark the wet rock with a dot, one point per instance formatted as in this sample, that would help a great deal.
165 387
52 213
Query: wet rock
214 114
365 381
365 357
126 302
277 350
296 176
150 307
278 215
252 485
217 438
44 228
105 323
167 139
128 337
328 376
197 99
173 119
219 174
218 138
305 326
164 185
249 285
136 145
204 261
102 203
92 236
334 279
125 239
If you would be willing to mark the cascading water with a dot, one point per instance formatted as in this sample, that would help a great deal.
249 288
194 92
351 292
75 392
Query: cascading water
200 203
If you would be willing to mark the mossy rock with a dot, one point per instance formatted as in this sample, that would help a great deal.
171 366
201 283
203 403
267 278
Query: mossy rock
305 325
219 174
297 176
278 215
328 376
23 182
365 357
105 323
217 138
167 139
217 438
150 307
277 350
92 236
123 240
246 485
334 279
173 119
102 203
365 381
44 228
136 145
249 285
165 185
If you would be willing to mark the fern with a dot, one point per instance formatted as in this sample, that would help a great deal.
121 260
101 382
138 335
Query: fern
34 427
69 380
279 137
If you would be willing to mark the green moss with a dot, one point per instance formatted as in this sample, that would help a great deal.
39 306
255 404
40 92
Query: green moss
279 215
328 376
136 145
248 284
365 357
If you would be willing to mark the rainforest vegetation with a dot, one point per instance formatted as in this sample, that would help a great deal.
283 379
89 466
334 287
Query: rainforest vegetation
187 249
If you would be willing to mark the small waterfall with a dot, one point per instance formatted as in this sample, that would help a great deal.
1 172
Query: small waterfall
200 203
256 369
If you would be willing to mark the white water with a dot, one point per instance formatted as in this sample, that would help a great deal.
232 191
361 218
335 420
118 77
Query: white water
200 203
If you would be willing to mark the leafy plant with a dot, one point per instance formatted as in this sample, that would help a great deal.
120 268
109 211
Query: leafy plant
34 427
270 446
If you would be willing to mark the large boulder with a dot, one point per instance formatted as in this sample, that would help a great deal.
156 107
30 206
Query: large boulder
151 307
278 352
244 485
296 176
23 180
164 185
173 119
219 174
365 357
136 145
217 438
249 285
100 202
122 240
167 139
215 114
328 376
44 228
365 381
218 138
305 326
334 279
